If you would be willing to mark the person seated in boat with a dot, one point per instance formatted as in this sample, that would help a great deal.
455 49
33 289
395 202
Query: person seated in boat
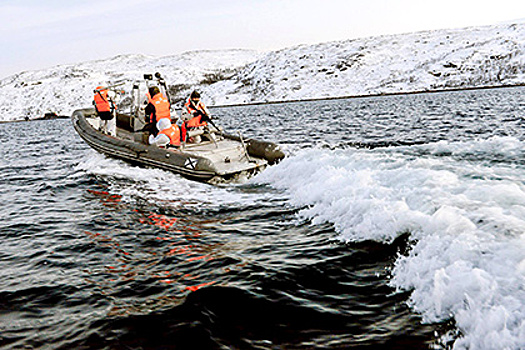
194 115
103 100
168 135
158 108
194 108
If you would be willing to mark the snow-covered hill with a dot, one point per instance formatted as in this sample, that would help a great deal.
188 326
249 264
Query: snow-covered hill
430 60
440 59
64 88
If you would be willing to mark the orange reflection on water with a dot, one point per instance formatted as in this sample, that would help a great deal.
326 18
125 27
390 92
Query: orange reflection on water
198 286
106 198
205 257
173 252
157 220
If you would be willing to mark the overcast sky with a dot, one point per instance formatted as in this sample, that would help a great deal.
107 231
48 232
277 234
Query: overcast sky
37 34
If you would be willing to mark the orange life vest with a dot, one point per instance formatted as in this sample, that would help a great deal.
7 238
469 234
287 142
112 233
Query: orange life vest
195 122
101 100
173 133
191 108
162 107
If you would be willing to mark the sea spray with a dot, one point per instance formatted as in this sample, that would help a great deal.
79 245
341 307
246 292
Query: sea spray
465 215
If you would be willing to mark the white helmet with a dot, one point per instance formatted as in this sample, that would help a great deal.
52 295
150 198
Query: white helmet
164 123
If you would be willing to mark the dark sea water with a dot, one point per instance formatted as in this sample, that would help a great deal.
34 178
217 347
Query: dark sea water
394 223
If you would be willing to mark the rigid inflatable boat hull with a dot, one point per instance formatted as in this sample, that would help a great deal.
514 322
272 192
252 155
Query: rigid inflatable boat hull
202 162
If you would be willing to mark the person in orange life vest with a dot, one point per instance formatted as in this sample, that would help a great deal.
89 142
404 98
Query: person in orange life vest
194 114
168 134
158 108
194 110
105 108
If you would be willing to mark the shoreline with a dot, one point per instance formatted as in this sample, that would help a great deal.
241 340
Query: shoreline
383 94
313 99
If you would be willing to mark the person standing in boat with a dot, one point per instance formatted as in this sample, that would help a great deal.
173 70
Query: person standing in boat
103 100
158 108
169 134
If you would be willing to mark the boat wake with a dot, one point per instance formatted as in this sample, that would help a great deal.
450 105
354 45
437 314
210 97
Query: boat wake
464 213
159 186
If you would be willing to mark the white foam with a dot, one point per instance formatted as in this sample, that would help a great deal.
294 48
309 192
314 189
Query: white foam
466 213
158 186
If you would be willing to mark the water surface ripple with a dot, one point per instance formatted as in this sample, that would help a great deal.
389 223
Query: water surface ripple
99 254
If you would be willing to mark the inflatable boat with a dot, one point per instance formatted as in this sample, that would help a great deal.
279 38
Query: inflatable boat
217 156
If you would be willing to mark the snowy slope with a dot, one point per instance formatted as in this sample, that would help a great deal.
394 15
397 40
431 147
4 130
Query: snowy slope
469 57
64 88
